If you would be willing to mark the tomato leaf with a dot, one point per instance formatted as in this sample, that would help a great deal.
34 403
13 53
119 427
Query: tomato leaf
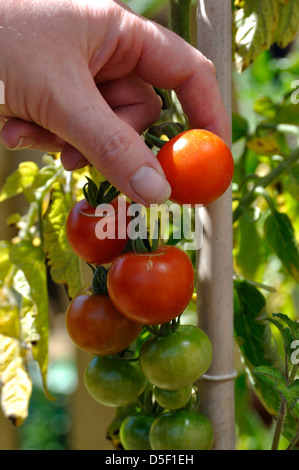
265 145
254 24
272 376
288 21
240 127
19 180
280 236
5 263
16 386
251 330
64 264
33 290
292 181
249 243
256 341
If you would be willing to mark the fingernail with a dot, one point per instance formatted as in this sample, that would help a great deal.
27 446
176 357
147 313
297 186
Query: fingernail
25 143
150 185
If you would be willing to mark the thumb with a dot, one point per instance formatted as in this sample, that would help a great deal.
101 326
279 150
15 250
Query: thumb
115 149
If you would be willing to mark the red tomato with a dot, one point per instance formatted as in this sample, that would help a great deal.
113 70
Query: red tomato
81 226
198 165
96 327
151 288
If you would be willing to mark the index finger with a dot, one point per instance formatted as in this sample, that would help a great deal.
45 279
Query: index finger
167 61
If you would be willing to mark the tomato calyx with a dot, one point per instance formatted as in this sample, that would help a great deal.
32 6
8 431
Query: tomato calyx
99 280
157 135
102 194
143 244
164 329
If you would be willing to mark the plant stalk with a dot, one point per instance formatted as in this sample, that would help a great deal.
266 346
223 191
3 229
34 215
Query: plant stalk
279 425
179 18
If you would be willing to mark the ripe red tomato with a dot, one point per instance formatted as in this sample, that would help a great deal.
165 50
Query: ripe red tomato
81 228
151 288
96 327
198 165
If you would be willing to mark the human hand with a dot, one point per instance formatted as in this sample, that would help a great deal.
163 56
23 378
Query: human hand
79 78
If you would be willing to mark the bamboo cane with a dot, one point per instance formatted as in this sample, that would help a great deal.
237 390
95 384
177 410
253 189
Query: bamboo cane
215 265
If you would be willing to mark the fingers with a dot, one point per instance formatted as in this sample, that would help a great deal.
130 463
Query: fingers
133 100
169 62
18 134
109 142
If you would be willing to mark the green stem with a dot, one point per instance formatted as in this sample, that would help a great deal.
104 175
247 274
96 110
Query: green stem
279 425
180 12
282 412
264 182
293 441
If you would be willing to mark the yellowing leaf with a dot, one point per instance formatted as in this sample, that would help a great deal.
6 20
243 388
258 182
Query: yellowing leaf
5 263
255 23
64 264
19 180
31 283
266 145
288 22
16 386
9 314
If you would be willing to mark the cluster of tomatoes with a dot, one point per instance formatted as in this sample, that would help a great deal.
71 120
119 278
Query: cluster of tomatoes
128 319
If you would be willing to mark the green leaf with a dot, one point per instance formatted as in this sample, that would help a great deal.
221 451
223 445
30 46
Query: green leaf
254 24
279 234
286 335
43 176
240 127
19 180
31 261
292 181
290 392
292 324
249 248
64 264
252 332
288 21
265 106
5 263
287 113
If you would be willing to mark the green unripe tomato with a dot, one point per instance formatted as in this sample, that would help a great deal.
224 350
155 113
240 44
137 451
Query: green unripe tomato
134 432
178 359
114 382
173 399
181 430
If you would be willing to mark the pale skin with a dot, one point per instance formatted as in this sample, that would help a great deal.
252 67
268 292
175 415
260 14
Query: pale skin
79 78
